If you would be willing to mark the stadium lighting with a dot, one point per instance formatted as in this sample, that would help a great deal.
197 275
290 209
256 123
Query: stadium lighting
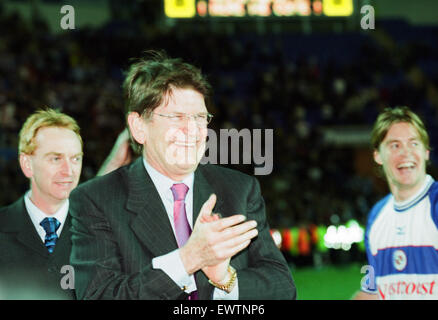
276 235
343 236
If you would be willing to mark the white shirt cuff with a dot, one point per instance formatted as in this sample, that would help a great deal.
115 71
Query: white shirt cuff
172 265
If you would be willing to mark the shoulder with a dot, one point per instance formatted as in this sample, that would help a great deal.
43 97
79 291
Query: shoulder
433 192
433 197
103 185
376 209
13 207
225 174
372 217
11 213
233 185
228 178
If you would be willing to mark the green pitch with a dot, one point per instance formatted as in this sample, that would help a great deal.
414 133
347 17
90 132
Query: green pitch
327 283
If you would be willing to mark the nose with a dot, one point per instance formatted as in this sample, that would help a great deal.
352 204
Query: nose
67 168
405 150
190 126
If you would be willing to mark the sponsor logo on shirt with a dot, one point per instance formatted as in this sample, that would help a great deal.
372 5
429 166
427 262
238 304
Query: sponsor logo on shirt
407 289
400 231
399 260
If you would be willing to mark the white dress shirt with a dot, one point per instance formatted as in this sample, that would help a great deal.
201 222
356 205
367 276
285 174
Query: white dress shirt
171 263
36 215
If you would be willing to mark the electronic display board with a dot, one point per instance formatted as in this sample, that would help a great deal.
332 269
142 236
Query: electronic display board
257 8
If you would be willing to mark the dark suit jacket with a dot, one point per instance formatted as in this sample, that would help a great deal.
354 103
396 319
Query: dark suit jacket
27 270
120 225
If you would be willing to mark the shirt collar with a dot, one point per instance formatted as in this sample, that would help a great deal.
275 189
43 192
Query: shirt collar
164 183
417 197
37 215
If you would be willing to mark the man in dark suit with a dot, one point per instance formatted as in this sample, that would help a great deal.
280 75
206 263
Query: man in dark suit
35 238
148 230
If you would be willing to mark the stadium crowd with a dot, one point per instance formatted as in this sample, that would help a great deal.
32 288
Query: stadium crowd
295 84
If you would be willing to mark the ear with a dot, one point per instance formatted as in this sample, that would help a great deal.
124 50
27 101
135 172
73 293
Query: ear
377 157
25 164
427 155
137 127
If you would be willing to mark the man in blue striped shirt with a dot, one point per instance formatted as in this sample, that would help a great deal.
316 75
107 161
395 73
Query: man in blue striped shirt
402 233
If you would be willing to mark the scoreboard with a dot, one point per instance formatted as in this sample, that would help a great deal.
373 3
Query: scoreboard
257 8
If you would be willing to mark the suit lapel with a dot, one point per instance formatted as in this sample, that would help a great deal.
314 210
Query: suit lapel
61 254
201 192
26 233
150 223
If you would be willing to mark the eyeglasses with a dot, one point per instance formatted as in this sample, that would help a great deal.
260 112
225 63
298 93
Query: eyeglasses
201 119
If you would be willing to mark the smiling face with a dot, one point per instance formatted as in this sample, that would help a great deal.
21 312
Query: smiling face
54 167
403 157
173 148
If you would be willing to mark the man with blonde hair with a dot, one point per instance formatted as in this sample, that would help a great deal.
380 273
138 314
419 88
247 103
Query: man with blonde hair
35 230
402 234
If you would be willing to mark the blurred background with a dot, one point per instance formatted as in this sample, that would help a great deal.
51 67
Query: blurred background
305 68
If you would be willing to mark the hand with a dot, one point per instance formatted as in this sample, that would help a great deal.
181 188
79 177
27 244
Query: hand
214 241
119 156
209 218
217 273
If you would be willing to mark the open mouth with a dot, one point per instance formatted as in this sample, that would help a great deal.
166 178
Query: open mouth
406 167
64 184
185 144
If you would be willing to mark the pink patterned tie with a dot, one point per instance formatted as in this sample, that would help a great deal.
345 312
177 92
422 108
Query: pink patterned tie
182 227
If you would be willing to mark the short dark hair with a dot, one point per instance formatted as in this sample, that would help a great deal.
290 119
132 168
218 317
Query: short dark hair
152 77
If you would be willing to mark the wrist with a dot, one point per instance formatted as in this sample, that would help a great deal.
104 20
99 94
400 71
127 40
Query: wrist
189 261
225 278
228 283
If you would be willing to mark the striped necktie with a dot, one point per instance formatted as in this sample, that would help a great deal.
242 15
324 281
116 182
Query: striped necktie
50 225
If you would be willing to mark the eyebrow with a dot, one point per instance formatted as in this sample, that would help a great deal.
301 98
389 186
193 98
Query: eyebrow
60 154
398 140
199 113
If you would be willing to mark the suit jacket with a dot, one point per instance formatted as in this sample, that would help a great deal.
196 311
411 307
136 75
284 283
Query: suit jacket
119 224
27 270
